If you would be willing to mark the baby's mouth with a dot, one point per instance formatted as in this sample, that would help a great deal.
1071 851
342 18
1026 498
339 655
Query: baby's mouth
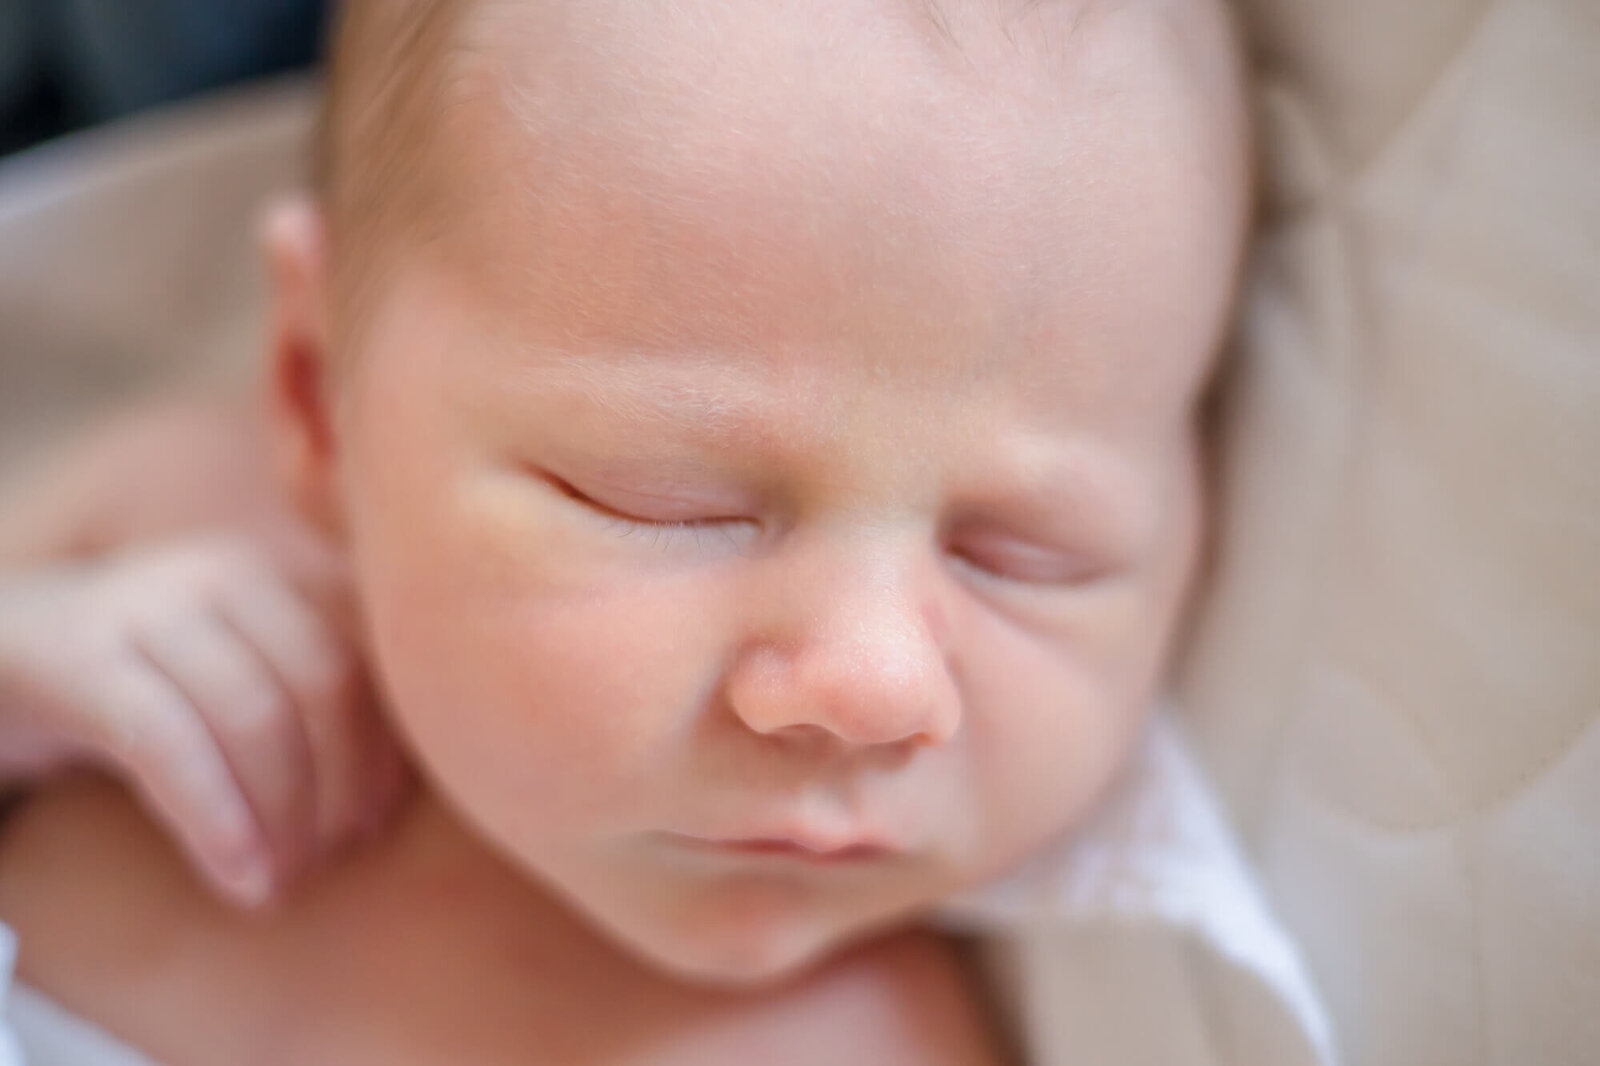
791 848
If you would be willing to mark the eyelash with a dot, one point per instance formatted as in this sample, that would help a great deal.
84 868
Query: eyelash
1000 572
1035 568
635 527
656 533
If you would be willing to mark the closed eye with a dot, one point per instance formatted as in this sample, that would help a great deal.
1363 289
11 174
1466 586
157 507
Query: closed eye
572 492
656 530
1025 563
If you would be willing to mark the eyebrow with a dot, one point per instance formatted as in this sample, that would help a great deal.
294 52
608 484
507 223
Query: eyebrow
1035 477
936 17
665 399
637 388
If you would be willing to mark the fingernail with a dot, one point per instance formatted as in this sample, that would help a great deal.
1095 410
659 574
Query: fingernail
251 884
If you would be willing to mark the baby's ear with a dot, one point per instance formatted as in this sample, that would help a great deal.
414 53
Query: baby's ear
301 371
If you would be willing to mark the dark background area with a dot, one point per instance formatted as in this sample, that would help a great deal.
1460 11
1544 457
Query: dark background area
66 64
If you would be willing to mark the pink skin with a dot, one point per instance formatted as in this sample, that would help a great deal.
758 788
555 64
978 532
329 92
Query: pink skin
776 466
163 619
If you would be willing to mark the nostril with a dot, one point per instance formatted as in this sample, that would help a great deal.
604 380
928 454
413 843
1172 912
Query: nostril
861 659
809 742
829 694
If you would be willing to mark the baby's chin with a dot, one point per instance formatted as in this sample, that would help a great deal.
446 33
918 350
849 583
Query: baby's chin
746 965
734 951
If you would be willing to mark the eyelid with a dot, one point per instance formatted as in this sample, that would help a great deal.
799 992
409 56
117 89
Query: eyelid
1017 559
618 513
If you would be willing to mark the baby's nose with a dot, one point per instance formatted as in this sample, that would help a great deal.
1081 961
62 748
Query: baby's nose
859 659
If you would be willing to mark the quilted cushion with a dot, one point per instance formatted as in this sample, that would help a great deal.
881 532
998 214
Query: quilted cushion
1397 663
1397 670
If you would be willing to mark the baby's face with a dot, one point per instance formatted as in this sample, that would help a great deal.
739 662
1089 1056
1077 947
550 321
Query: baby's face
772 494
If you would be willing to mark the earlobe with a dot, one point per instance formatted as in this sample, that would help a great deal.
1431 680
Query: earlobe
300 361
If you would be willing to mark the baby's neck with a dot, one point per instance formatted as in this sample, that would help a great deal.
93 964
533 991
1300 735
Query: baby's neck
422 948
420 934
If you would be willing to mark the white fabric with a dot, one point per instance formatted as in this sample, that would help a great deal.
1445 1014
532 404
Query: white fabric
36 1032
10 1053
45 1034
1142 939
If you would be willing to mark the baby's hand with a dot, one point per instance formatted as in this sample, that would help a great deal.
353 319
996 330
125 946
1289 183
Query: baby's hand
226 694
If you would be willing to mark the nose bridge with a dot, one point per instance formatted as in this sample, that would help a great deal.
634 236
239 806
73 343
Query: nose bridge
854 644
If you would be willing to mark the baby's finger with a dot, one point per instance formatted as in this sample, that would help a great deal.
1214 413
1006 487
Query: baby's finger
253 720
320 675
159 741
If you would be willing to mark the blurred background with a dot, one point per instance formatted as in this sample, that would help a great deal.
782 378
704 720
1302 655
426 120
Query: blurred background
66 64
139 142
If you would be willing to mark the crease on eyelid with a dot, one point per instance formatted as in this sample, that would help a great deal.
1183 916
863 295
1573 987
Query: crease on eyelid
1030 564
614 513
555 481
572 492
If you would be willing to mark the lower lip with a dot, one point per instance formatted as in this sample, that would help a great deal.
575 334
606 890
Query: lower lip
855 854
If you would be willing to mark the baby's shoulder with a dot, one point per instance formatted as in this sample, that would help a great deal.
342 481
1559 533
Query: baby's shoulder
110 923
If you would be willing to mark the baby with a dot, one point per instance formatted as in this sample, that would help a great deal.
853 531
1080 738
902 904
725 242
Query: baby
763 438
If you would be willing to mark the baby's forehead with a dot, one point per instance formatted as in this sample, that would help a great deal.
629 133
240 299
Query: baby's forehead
637 173
603 63
734 130
399 63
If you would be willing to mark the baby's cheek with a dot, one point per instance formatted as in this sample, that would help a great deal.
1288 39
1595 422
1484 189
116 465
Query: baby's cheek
1049 727
1068 704
540 689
